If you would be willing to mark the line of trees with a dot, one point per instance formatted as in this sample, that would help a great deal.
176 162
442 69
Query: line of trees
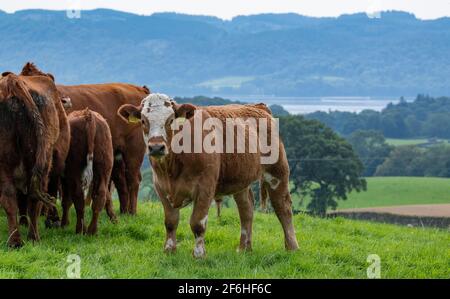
425 116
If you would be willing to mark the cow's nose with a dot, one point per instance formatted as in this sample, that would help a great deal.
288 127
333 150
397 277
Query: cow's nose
157 149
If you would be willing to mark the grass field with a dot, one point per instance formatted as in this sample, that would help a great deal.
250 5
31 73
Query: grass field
329 248
398 142
393 191
417 141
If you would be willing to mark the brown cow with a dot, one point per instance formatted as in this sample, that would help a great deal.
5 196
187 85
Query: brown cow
181 178
29 129
60 151
129 148
88 166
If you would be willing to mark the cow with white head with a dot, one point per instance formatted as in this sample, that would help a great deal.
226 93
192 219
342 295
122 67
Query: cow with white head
191 176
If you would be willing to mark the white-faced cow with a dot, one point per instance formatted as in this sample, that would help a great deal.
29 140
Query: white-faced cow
189 175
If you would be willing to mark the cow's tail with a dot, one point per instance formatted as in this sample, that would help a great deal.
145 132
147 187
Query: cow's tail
91 129
17 88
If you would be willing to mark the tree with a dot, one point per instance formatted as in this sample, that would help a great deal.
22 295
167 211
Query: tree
403 161
323 164
371 147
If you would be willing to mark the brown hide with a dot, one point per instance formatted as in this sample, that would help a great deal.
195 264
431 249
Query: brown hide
91 142
60 149
127 140
185 177
29 129
129 149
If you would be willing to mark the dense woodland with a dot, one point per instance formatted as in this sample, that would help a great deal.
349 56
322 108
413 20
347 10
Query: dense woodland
424 117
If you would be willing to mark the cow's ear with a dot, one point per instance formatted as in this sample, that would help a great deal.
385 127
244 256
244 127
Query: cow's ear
185 110
130 113
51 77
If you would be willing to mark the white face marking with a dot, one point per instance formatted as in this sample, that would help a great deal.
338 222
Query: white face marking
157 110
273 181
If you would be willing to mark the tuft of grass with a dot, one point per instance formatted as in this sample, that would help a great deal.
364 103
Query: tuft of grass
133 248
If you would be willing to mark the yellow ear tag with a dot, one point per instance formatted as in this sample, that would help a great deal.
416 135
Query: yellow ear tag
181 120
133 119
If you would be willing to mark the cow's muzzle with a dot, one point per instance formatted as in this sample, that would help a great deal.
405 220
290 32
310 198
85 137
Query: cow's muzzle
157 150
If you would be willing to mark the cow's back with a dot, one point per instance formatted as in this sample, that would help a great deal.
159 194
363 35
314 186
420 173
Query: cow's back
106 99
238 169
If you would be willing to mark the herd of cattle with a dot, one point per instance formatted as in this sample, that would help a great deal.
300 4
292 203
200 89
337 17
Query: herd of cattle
79 140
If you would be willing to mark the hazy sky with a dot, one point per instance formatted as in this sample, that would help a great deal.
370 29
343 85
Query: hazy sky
226 9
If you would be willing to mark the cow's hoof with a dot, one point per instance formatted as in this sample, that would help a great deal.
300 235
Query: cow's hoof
242 249
23 221
15 243
91 231
64 223
34 237
52 223
170 246
199 252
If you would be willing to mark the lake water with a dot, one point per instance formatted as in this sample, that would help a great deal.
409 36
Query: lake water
304 105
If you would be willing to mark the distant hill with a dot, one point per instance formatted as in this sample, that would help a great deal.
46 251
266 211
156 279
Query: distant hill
272 54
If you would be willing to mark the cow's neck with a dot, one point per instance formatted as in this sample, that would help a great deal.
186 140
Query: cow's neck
167 166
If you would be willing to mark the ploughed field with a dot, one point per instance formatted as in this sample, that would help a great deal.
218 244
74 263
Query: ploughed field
329 248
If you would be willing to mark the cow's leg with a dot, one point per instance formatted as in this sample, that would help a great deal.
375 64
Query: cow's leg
78 200
109 206
66 202
53 219
171 219
9 202
218 201
199 220
133 157
280 198
120 182
98 202
34 210
22 202
245 207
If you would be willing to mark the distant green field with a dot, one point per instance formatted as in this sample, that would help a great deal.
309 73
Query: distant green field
231 82
392 191
398 142
329 248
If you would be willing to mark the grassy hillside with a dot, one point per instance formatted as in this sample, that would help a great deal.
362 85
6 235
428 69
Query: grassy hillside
332 248
344 56
393 191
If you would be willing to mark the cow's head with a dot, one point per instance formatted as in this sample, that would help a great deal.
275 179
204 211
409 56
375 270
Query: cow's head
156 114
30 69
